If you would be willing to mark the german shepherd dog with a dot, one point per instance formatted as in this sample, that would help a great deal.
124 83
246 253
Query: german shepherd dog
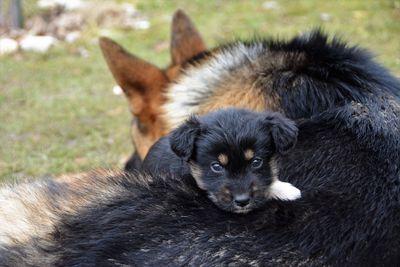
230 155
346 162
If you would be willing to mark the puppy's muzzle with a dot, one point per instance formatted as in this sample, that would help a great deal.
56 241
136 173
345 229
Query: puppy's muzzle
242 200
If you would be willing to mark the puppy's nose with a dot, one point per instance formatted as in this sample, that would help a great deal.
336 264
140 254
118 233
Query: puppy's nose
242 200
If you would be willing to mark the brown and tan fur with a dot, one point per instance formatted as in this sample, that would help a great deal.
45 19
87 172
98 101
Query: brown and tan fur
235 93
30 210
144 84
147 86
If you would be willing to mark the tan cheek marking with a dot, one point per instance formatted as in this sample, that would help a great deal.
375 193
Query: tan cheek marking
274 169
248 154
196 173
225 195
223 159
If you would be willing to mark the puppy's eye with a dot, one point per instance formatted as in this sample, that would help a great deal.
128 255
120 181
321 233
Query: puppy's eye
256 163
216 167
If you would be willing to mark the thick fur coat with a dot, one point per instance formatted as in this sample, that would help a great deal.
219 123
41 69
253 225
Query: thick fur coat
346 163
347 216
301 78
230 154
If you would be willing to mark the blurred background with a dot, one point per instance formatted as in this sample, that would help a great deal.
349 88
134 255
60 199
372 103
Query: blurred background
58 110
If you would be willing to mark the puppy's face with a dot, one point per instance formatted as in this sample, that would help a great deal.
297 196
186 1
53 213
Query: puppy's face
230 153
235 173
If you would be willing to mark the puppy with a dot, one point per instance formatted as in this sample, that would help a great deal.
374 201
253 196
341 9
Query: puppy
230 155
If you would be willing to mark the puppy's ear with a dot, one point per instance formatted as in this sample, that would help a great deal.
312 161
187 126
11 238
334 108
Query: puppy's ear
283 131
182 139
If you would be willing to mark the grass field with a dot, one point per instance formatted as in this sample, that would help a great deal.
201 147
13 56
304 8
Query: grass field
57 111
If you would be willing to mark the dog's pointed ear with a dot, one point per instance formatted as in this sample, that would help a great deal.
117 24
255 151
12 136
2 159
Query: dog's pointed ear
186 41
183 138
284 131
140 80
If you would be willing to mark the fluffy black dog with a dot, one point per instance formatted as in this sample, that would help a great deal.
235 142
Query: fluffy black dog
231 156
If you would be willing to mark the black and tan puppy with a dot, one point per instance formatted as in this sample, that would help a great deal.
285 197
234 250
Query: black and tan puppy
230 154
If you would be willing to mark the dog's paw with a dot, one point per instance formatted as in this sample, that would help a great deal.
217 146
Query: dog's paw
283 191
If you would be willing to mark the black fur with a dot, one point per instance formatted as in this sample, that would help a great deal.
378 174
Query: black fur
134 163
283 131
182 140
349 214
242 184
310 74
161 159
346 161
236 124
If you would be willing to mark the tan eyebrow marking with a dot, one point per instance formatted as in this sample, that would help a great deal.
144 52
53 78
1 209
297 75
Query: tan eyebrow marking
223 159
248 154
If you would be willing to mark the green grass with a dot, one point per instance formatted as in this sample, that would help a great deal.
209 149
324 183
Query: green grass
57 111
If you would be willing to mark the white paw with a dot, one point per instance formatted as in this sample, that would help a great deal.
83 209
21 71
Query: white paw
283 191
